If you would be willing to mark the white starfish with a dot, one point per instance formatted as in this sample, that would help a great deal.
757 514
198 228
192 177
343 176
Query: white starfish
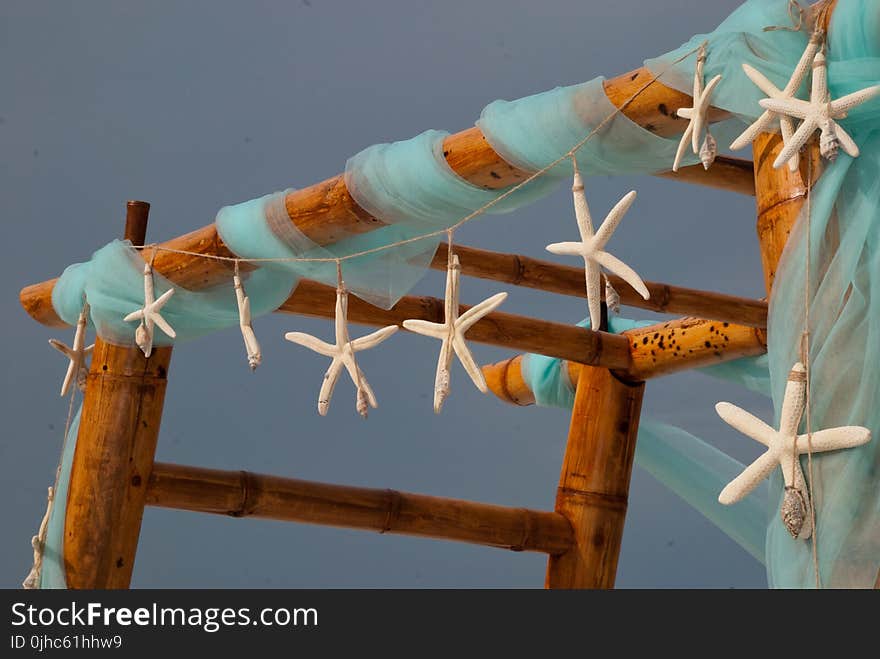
820 112
697 116
590 248
783 447
251 344
76 370
786 124
451 332
38 543
149 315
342 354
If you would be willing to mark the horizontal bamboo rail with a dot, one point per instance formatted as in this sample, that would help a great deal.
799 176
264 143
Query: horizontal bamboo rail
497 328
242 494
326 212
656 350
569 280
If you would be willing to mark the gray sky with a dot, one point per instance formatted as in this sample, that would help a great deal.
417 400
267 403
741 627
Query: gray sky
195 105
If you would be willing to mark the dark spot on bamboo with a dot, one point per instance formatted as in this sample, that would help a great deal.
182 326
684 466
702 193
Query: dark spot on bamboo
446 154
161 372
656 334
663 109
494 175
135 481
119 562
708 344
634 76
645 341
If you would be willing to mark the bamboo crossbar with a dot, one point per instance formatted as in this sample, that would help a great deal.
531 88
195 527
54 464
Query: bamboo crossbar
326 212
528 272
243 494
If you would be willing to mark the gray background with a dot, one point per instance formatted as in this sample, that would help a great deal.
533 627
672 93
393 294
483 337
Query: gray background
195 105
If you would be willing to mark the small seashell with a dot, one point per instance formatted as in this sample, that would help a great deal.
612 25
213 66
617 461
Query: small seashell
793 511
612 297
363 403
708 151
829 145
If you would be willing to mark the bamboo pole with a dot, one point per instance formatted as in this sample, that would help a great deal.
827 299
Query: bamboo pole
655 350
242 494
594 484
525 271
326 212
119 427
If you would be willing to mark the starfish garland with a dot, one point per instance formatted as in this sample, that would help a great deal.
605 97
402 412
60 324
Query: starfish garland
783 448
451 332
76 370
38 542
252 346
821 113
342 354
590 248
149 315
697 116
786 125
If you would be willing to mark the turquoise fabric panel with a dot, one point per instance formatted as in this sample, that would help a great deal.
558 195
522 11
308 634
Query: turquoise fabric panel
533 132
52 574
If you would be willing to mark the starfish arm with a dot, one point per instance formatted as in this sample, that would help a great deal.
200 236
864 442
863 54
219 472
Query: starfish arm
134 315
244 311
581 208
442 376
793 107
566 249
603 235
163 299
749 479
682 147
467 360
426 328
359 379
848 102
819 87
374 339
847 143
761 81
63 349
476 312
162 324
685 113
800 137
786 126
69 377
340 320
750 133
622 270
149 286
310 342
803 67
89 349
594 296
833 439
700 108
745 422
331 377
450 299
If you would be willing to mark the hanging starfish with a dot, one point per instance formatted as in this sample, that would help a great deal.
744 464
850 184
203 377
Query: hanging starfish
697 116
451 332
251 344
590 249
342 354
149 315
38 543
781 447
820 112
76 370
786 124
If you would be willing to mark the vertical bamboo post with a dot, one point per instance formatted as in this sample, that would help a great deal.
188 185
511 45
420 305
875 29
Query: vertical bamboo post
119 427
594 484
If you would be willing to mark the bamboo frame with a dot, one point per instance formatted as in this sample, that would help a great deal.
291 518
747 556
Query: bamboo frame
326 212
594 483
119 428
242 494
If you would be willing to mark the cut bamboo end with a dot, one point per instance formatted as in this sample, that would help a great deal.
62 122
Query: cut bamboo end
242 494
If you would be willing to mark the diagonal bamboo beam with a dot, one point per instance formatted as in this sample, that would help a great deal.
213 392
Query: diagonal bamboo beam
569 280
326 212
242 494
656 350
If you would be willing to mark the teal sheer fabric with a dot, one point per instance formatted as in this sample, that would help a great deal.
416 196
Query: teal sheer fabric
844 296
533 132
52 574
